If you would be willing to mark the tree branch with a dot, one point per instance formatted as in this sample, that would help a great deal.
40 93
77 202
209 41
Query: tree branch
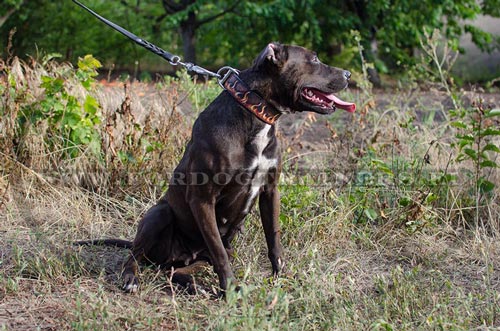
9 13
216 16
172 7
5 17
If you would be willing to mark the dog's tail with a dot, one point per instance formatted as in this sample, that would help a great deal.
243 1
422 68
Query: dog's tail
105 242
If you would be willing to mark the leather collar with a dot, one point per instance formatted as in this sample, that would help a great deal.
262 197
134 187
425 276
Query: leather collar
249 99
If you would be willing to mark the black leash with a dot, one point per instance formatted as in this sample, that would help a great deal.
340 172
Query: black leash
171 58
227 77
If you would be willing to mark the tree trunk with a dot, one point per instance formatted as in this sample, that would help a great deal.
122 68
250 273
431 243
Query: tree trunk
188 31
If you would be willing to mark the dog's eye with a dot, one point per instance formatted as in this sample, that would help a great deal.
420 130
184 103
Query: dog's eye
315 59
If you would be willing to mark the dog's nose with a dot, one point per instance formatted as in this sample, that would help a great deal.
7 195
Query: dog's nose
347 74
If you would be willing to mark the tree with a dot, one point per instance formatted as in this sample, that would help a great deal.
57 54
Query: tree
47 26
9 7
390 29
192 21
232 32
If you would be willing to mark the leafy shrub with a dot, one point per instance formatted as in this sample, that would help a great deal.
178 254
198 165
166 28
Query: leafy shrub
46 100
409 191
73 124
54 123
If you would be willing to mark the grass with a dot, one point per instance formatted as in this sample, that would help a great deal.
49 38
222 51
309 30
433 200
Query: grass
374 239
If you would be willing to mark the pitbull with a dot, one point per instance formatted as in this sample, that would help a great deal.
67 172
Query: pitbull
232 159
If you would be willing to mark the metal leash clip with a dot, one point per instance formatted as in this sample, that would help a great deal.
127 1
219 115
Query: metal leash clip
228 71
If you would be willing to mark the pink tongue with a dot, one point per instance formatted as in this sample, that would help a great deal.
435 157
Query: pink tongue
349 106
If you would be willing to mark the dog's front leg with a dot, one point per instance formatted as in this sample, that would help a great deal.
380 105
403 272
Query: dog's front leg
204 213
269 205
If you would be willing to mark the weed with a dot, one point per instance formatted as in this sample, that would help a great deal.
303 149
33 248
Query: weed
437 61
71 124
477 133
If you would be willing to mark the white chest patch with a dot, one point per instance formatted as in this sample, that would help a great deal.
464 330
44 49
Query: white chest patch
260 165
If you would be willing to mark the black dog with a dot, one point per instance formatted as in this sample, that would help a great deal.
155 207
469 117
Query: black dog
233 158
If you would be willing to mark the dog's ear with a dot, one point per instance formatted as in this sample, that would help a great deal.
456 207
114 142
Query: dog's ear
274 53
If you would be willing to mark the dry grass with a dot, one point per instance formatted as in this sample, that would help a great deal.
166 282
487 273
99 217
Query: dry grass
420 266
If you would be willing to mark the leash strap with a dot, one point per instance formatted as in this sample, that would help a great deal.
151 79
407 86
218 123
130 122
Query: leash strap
229 81
171 58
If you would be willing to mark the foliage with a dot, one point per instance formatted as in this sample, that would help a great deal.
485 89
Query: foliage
476 137
199 98
8 8
400 192
72 124
437 61
61 27
396 27
411 192
44 101
224 32
54 109
476 128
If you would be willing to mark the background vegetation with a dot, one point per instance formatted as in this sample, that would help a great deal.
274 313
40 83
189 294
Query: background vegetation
390 216
229 32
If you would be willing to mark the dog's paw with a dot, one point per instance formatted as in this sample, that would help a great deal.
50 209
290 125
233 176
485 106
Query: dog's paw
232 287
194 289
130 283
278 266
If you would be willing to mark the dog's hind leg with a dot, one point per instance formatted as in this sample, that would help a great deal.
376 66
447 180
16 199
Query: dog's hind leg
183 276
129 275
151 236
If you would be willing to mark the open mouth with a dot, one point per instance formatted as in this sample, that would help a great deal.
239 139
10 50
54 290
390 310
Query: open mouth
325 100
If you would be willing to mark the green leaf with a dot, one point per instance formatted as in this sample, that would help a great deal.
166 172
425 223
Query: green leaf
49 57
493 112
488 163
471 153
95 145
467 137
89 63
431 198
491 147
52 85
126 157
80 135
460 125
90 105
12 80
404 201
382 166
448 178
71 119
490 132
371 214
485 186
72 105
463 143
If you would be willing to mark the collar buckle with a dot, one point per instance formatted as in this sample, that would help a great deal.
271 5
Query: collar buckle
224 76
249 99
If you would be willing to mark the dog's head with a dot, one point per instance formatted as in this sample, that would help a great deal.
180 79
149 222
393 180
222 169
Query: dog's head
300 81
